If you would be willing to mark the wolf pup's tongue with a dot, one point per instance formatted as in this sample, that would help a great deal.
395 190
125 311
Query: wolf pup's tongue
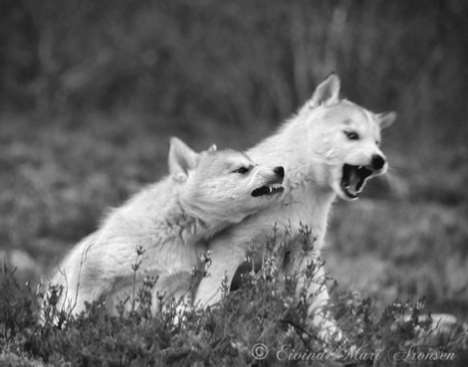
354 182
353 179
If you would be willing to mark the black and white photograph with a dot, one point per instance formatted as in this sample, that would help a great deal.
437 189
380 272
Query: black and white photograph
233 183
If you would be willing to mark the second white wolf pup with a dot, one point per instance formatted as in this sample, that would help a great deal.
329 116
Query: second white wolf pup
204 193
329 148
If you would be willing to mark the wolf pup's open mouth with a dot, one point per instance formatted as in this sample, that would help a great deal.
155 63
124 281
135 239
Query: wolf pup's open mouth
353 179
267 190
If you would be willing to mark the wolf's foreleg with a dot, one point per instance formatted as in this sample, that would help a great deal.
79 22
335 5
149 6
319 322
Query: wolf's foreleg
225 259
312 283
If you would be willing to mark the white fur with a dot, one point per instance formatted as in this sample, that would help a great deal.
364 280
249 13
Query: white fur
166 220
312 148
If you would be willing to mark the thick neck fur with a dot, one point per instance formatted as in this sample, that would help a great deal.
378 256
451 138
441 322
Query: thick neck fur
306 172
168 217
203 223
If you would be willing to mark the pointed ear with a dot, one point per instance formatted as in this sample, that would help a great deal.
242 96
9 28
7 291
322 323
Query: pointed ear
327 92
212 148
385 119
181 158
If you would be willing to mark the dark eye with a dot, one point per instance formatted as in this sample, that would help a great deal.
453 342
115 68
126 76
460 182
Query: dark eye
352 135
242 170
378 142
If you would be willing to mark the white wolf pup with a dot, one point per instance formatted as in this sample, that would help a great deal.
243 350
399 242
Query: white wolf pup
330 148
204 193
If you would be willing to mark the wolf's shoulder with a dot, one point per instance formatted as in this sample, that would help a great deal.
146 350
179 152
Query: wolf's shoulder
153 199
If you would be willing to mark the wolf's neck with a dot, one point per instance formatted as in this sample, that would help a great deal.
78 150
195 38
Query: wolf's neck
306 178
169 217
191 225
293 148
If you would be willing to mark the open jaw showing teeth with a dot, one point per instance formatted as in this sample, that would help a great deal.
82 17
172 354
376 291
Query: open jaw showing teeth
267 190
353 179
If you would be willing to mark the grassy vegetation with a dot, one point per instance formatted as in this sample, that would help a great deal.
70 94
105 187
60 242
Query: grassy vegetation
91 93
264 309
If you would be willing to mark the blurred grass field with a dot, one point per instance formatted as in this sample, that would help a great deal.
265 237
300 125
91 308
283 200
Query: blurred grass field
91 94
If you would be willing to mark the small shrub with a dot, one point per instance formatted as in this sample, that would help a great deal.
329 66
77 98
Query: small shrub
263 309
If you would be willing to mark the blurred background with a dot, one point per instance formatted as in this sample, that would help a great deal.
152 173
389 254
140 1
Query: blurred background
90 93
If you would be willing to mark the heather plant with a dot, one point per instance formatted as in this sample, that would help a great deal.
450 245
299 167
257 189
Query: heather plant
265 308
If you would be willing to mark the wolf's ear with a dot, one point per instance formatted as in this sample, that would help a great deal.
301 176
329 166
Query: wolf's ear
327 92
213 148
385 119
181 158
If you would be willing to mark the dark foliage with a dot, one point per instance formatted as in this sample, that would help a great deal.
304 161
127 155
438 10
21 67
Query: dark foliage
263 310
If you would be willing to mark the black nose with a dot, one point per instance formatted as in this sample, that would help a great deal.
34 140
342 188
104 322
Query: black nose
279 171
378 162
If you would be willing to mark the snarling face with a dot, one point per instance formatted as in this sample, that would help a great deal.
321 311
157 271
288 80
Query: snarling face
353 152
345 139
223 185
230 185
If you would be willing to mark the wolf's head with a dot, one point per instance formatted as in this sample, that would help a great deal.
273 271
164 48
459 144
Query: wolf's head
223 185
345 138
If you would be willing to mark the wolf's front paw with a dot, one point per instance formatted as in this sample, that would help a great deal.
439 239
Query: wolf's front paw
328 330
